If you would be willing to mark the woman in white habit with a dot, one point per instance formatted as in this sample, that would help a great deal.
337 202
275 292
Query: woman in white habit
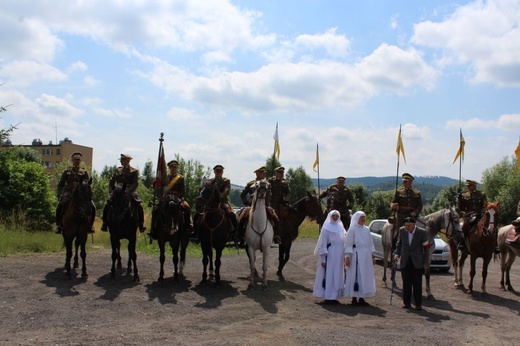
330 274
359 259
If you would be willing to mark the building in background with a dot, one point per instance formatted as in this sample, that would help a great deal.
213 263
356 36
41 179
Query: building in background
53 154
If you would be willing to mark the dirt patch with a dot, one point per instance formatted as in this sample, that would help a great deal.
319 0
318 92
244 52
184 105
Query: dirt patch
39 305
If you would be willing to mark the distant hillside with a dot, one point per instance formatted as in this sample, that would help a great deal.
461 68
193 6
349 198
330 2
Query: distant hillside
387 183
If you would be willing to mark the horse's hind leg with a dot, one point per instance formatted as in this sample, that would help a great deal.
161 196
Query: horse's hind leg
218 255
162 258
68 257
175 259
484 274
184 245
284 252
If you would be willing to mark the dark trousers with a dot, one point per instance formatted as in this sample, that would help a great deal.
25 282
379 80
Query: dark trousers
412 281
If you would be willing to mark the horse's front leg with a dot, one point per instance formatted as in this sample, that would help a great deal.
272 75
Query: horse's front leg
472 273
175 258
84 275
284 253
265 266
132 259
484 274
184 245
115 255
427 277
251 253
68 257
162 258
218 255
76 258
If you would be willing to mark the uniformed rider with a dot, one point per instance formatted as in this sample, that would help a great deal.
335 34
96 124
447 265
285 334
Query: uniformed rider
129 177
69 178
472 206
407 201
224 187
176 187
280 196
340 198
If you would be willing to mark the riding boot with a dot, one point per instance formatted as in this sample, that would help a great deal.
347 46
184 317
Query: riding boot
460 241
276 233
104 227
92 217
140 214
58 218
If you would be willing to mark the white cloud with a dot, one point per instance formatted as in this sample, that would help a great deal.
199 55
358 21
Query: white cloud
77 66
483 34
56 106
91 81
112 113
509 122
22 73
335 45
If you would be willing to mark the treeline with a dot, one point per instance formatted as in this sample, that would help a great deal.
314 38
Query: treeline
26 196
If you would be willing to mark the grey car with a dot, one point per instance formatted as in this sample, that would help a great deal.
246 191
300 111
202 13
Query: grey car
441 259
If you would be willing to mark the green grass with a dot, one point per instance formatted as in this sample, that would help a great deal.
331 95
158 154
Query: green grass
16 240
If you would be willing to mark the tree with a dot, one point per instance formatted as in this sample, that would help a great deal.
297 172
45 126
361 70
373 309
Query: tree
503 181
148 175
378 205
446 198
193 172
25 194
360 194
270 164
299 182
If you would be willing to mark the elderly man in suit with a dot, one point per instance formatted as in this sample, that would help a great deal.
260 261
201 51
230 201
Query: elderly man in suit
412 251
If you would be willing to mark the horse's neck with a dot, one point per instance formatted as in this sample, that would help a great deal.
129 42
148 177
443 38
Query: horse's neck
259 214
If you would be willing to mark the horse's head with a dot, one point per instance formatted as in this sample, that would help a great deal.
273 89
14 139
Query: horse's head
313 206
170 214
209 195
260 187
82 197
489 222
453 223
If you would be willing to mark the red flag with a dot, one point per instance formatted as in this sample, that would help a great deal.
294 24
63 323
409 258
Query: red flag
161 175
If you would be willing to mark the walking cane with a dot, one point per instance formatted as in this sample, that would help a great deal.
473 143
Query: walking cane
394 283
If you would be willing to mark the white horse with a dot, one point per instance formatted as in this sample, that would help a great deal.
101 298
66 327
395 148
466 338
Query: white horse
259 232
508 254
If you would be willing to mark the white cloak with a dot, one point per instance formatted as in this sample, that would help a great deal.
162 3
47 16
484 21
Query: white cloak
359 236
334 274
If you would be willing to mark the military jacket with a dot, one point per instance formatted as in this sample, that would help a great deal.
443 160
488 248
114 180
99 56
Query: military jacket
472 202
223 186
280 192
338 196
125 175
409 200
69 177
249 190
179 188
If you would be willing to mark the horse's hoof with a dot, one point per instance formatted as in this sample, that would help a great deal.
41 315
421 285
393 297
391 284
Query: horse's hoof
264 288
84 276
119 266
250 287
128 271
136 278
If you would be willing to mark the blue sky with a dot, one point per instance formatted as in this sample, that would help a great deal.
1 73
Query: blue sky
216 77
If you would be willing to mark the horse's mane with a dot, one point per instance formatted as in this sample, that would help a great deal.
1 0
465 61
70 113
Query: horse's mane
434 220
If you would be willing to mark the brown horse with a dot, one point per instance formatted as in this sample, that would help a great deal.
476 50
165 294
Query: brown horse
481 242
170 228
213 228
289 224
508 254
122 224
76 223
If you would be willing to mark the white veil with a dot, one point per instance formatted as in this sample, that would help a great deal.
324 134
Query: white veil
331 226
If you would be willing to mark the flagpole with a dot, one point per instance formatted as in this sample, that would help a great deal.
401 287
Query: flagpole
159 158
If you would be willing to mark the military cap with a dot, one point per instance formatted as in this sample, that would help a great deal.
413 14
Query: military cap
76 154
407 177
516 222
218 167
279 169
341 179
471 182
173 163
261 169
409 219
125 156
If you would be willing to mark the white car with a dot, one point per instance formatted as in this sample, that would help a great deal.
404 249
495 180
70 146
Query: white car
441 259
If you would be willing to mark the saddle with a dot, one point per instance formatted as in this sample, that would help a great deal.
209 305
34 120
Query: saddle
271 215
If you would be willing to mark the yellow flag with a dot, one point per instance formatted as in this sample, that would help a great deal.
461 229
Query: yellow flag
517 152
317 162
276 143
400 148
460 152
